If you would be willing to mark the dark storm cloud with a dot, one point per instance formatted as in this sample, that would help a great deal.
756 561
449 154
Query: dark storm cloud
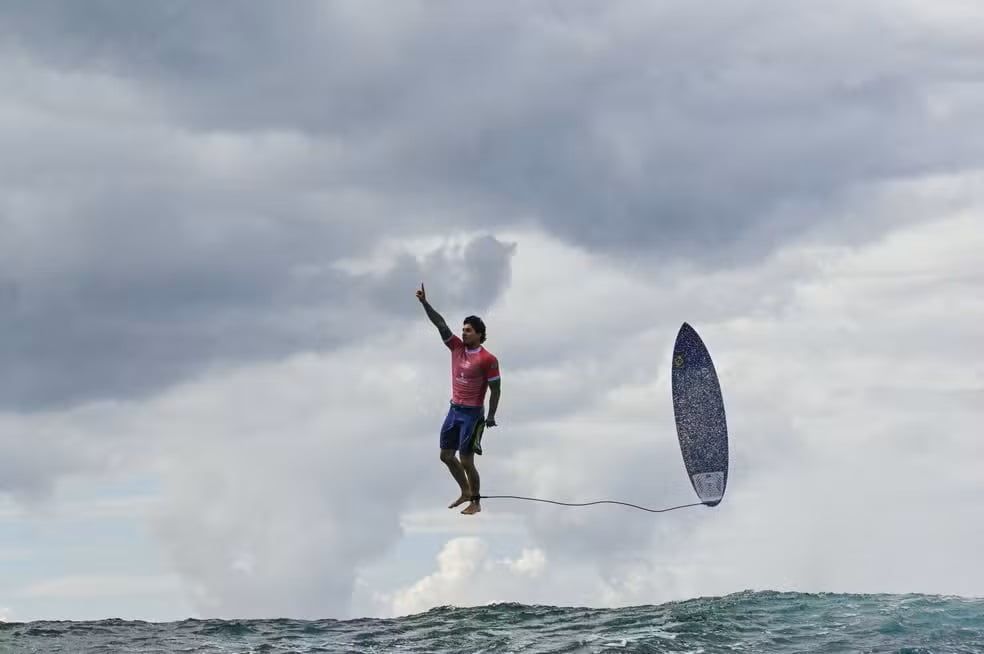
636 127
470 277
111 332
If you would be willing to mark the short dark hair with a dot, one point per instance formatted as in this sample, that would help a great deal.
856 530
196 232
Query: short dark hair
477 325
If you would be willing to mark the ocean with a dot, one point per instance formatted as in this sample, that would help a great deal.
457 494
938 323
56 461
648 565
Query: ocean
772 622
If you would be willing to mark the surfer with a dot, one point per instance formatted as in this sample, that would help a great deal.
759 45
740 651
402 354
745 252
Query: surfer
473 370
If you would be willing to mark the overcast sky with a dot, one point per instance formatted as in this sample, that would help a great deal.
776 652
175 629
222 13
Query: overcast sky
219 396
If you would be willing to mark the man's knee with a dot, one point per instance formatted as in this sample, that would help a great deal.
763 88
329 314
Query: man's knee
447 456
468 461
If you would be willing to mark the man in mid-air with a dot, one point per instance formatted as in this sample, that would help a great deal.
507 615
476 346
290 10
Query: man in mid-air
473 370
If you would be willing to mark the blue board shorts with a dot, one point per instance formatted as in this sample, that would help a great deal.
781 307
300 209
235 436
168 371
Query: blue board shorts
462 429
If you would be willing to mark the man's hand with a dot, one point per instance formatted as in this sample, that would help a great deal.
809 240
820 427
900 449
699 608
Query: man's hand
490 421
435 317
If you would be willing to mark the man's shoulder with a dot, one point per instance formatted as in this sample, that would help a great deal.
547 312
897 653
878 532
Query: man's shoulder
490 359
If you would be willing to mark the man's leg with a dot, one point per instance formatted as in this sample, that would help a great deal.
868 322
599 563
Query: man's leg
474 485
450 438
447 456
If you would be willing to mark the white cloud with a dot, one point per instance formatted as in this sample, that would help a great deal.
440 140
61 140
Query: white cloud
281 480
40 449
853 409
442 521
530 563
466 576
232 258
848 397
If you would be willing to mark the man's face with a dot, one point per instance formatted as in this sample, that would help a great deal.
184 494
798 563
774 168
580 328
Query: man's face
469 336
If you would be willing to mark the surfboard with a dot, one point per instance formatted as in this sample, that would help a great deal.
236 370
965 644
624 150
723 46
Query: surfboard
701 424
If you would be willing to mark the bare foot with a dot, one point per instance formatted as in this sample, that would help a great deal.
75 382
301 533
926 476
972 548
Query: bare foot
460 500
472 508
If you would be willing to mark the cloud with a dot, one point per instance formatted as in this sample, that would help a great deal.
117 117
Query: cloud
178 193
40 450
138 252
450 523
848 402
131 334
212 224
90 586
688 137
467 576
121 353
280 481
129 507
853 414
819 435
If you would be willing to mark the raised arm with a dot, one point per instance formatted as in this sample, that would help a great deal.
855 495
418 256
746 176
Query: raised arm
435 317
